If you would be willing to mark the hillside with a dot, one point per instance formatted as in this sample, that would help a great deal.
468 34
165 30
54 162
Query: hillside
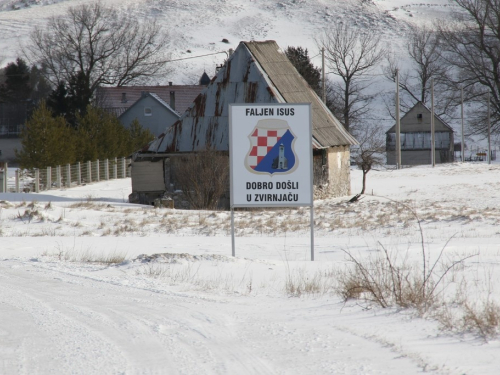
200 27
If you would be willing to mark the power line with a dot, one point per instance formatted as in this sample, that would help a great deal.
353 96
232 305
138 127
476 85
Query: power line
153 63
195 57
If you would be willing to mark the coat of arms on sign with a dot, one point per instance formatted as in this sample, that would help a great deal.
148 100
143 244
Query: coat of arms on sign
271 148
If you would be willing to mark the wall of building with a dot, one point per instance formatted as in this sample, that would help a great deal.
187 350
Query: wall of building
339 171
156 121
320 169
421 157
148 181
147 176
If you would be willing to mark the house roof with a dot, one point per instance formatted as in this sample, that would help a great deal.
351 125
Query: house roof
327 130
411 123
156 98
257 72
119 99
205 79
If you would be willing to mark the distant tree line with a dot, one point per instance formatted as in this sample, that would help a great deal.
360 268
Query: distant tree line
62 66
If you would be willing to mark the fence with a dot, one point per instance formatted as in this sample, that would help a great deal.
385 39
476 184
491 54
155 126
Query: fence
66 176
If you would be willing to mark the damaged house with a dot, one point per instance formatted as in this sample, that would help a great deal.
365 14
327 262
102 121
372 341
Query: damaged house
256 72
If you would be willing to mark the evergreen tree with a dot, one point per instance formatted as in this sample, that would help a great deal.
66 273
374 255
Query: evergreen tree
138 136
40 87
70 100
49 140
101 135
17 82
299 57
79 94
58 101
46 141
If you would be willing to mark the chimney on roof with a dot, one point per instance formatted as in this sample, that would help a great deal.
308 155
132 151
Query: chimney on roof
170 83
124 97
172 100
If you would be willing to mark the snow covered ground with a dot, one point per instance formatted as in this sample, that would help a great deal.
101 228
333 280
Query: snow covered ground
177 302
90 284
200 26
197 29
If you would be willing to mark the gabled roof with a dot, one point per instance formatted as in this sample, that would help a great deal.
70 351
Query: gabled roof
119 99
205 79
257 72
411 123
327 130
154 97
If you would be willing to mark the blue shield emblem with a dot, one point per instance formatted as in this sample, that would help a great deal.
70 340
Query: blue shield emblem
271 148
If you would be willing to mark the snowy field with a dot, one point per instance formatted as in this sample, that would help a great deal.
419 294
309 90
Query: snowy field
90 284
197 28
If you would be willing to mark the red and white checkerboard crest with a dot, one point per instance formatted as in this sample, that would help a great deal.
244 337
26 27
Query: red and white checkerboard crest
271 148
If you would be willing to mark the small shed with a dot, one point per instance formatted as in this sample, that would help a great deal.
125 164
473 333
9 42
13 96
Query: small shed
257 72
152 112
415 138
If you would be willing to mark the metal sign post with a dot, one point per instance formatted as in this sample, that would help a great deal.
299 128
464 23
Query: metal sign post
312 232
233 252
270 157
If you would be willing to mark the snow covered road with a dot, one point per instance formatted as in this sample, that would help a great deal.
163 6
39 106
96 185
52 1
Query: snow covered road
178 303
63 322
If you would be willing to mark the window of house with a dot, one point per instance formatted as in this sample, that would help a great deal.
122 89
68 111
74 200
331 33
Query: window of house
148 111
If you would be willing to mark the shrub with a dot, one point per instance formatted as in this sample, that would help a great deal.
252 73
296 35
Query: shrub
203 177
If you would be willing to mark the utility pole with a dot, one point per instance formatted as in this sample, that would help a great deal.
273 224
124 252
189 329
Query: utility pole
462 110
324 74
489 130
398 125
433 144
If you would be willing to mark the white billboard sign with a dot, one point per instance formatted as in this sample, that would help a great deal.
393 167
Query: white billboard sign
270 153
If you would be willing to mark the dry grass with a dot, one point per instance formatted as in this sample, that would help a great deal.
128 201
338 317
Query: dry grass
470 310
190 276
299 283
72 254
367 217
483 318
387 281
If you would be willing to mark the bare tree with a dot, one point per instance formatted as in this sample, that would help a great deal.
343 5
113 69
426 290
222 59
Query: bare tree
370 151
203 177
351 54
427 64
471 44
97 45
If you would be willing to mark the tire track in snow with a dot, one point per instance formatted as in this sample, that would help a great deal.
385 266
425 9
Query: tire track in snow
329 348
51 340
112 328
